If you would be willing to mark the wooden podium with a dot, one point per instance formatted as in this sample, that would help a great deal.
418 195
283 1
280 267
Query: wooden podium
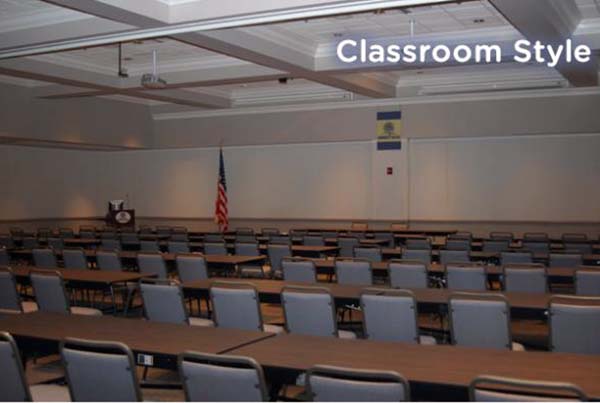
121 218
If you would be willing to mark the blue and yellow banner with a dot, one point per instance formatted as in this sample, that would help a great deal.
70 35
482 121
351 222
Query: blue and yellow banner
389 129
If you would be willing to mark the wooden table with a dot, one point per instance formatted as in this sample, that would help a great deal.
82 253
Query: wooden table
434 372
163 341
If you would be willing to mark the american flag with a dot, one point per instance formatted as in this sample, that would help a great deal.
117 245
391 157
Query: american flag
221 214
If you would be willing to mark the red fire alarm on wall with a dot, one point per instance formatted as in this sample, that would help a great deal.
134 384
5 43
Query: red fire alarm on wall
389 170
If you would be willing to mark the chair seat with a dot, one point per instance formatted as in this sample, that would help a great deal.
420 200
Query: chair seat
273 329
50 393
79 310
29 306
518 347
201 322
427 340
346 334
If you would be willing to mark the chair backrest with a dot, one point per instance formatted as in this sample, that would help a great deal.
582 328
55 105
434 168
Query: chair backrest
129 237
502 235
66 232
4 257
587 281
6 241
178 229
110 244
530 278
99 371
9 296
13 383
299 270
480 320
495 245
421 255
565 260
179 237
108 260
309 310
215 248
329 234
44 258
583 248
211 238
347 245
44 232
390 315
335 384
516 257
152 263
465 235
500 389
466 276
418 243
149 246
313 240
49 290
244 231
108 234
408 274
454 256
236 306
279 240
536 246
75 259
353 271
388 236
574 324
163 301
178 247
270 231
371 254
221 378
245 238
30 243
458 244
574 237
56 243
163 230
191 267
276 254
146 229
535 236
247 249
87 234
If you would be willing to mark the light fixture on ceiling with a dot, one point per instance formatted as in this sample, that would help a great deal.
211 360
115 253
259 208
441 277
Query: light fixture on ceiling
478 20
492 87
152 80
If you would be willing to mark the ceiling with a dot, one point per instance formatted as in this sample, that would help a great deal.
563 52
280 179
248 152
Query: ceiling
238 68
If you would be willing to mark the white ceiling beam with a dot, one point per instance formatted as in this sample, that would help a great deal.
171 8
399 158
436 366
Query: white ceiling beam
551 22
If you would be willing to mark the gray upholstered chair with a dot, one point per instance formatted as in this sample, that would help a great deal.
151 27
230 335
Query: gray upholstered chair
454 256
458 244
221 378
146 229
4 257
250 269
13 383
10 299
279 240
584 248
418 243
44 258
75 259
87 234
391 315
99 371
108 234
191 267
270 231
163 302
353 271
149 246
373 255
408 274
245 238
574 324
466 277
481 320
311 311
347 245
574 237
244 231
299 270
530 278
536 246
163 230
57 244
465 235
388 236
495 245
215 248
276 254
214 238
66 232
179 237
152 263
335 384
51 296
587 281
565 260
44 232
236 306
30 243
313 240
421 255
130 238
500 389
502 235
110 244
108 260
178 247
535 236
6 241
516 257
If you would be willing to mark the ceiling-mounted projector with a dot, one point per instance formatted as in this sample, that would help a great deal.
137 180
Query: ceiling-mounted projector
152 80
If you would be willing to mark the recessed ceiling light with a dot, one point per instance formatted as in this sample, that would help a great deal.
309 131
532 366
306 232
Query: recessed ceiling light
479 20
